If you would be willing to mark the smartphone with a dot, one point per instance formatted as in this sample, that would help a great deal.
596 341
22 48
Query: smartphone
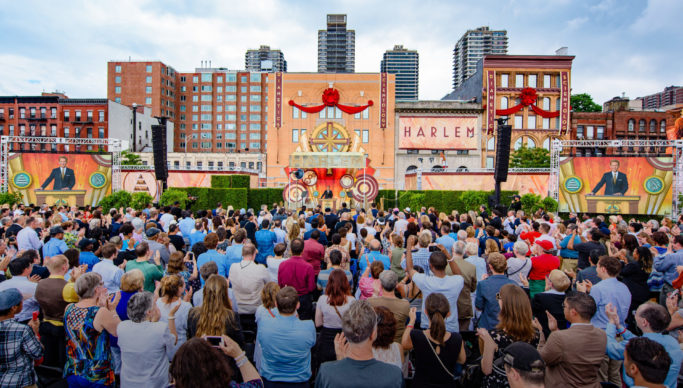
35 315
434 248
190 255
215 341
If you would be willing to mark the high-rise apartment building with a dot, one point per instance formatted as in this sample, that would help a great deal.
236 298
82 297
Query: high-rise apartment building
213 109
472 47
265 59
336 46
405 64
670 97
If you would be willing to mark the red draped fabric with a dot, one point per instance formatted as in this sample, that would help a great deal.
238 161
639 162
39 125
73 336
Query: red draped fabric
528 97
330 97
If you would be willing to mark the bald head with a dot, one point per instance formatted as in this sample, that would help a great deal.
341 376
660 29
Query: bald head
375 245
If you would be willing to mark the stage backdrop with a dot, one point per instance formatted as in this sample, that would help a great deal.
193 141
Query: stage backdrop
38 178
536 183
641 185
437 132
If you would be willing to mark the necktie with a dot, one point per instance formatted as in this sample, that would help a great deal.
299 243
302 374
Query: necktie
614 178
62 170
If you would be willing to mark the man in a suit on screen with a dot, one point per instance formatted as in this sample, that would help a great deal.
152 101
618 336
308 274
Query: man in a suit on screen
64 178
615 182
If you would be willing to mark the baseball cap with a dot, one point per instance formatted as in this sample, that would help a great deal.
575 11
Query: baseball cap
407 209
10 298
55 230
151 232
381 221
85 242
522 356
545 244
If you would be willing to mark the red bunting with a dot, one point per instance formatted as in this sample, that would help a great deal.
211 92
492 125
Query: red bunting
330 97
528 97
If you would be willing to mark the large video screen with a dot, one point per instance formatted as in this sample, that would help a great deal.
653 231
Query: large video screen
616 185
438 132
60 179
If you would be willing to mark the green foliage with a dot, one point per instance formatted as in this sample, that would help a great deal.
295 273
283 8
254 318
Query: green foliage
530 158
9 198
531 203
208 197
390 200
584 103
412 199
170 196
117 200
473 199
130 159
140 200
269 196
549 204
230 181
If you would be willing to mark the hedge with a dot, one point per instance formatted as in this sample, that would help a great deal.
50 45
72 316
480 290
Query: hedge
230 181
208 197
443 200
267 196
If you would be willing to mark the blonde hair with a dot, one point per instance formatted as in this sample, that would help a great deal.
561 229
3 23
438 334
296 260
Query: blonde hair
175 263
425 238
559 280
268 295
492 246
170 286
56 262
132 280
294 232
216 309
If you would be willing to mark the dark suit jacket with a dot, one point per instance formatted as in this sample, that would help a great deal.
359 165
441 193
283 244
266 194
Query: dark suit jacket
610 187
67 182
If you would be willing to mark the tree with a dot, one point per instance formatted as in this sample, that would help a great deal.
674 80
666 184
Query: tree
130 159
584 103
530 158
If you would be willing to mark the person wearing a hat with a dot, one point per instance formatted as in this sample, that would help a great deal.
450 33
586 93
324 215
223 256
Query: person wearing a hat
20 346
541 265
152 235
523 366
56 245
86 256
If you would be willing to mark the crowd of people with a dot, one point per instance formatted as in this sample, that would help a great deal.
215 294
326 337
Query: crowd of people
158 297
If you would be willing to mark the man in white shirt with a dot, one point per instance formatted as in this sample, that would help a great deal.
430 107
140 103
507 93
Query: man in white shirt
401 225
27 238
544 228
111 274
20 269
247 279
166 218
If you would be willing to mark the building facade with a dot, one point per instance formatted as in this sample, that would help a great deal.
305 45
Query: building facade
213 109
499 84
265 59
472 47
367 134
670 97
453 144
336 46
406 65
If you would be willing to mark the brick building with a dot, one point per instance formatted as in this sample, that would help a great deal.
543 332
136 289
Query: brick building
670 97
213 109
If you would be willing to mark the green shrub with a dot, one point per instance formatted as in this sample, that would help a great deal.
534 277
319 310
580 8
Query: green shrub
140 200
171 196
549 204
530 203
230 181
117 200
10 198
472 199
266 196
208 197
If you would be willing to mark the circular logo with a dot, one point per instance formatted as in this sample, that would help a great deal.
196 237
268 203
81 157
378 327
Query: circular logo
653 185
21 180
346 181
366 188
97 180
572 184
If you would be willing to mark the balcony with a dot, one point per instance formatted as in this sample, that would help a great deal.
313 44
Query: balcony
83 120
37 118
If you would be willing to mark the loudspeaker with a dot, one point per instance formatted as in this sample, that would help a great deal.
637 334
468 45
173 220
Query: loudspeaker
159 149
503 135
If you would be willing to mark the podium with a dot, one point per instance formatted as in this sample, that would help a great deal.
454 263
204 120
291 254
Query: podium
612 204
62 197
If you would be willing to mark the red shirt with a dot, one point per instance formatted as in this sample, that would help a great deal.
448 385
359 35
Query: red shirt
296 272
530 236
541 266
313 253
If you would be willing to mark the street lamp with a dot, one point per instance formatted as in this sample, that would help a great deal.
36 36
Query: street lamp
135 138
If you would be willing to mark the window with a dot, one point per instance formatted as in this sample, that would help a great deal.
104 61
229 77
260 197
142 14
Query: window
230 108
519 122
518 143
519 80
530 143
546 103
89 115
255 88
195 80
366 136
53 113
255 77
531 122
117 79
149 68
206 135
243 98
101 115
491 144
255 136
532 80
206 117
148 89
257 108
206 77
255 126
253 97
219 117
117 68
631 125
546 81
503 103
641 125
295 112
653 125
589 132
256 117
545 123
206 88
149 79
53 130
100 132
489 162
219 145
255 146
219 79
206 97
243 78
600 133
504 80
117 90
662 126
231 77
230 136
78 115
243 136
546 144
206 108
366 114
148 100
205 126
230 88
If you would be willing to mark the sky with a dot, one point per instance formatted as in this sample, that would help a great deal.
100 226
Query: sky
621 46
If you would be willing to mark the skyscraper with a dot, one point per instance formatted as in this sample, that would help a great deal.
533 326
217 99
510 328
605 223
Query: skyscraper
405 64
264 59
336 47
472 47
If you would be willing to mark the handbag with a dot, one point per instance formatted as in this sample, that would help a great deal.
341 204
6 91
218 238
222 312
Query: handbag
408 368
437 356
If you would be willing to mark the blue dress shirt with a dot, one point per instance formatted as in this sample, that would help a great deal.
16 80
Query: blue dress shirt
265 242
286 344
486 301
372 256
196 237
186 225
54 247
610 290
233 254
218 258
667 265
88 258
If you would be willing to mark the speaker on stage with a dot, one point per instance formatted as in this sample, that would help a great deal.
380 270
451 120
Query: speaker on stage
504 133
159 149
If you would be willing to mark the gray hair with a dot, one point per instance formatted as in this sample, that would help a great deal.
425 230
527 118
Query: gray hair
459 248
359 321
139 305
388 279
86 284
655 224
520 248
472 249
462 235
6 221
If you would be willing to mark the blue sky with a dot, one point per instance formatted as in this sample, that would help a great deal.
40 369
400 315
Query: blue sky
620 46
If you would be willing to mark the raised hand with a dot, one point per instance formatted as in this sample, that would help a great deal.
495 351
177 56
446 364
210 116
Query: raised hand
188 295
341 346
611 313
552 322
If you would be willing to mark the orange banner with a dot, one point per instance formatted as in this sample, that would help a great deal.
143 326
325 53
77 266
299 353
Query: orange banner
437 132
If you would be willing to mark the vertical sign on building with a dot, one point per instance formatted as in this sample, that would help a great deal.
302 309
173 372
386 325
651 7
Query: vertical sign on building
383 102
278 100
564 104
490 101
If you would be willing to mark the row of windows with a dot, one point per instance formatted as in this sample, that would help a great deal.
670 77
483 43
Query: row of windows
363 134
42 131
331 112
33 113
199 164
229 145
229 77
148 69
219 136
530 80
642 125
228 117
78 117
219 108
220 127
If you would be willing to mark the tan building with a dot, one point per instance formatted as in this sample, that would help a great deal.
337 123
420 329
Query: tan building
351 139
